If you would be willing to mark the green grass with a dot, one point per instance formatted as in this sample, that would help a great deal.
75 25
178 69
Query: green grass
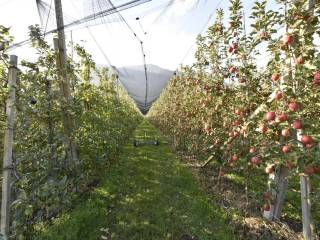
146 195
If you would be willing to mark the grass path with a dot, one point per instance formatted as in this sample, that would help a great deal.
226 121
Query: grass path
146 195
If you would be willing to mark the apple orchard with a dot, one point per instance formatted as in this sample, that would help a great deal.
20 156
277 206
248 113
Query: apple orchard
251 102
248 108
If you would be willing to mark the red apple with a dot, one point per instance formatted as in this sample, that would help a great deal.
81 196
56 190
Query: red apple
294 106
301 17
287 39
234 157
316 169
317 76
275 77
253 150
286 149
263 129
263 35
232 69
237 122
269 169
297 124
305 139
255 160
270 116
238 112
282 117
309 170
299 60
234 45
285 132
279 95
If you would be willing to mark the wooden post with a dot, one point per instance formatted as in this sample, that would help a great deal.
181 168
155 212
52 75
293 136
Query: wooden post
60 28
306 207
64 84
312 4
117 86
308 231
67 118
146 77
8 146
305 186
52 159
72 45
282 186
281 177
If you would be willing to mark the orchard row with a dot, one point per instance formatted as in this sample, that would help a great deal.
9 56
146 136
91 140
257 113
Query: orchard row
45 180
252 100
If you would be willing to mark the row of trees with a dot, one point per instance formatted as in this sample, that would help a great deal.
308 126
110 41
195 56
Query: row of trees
249 115
46 179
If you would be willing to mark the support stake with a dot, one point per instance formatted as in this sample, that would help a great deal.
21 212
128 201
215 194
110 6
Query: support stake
65 88
8 146
308 233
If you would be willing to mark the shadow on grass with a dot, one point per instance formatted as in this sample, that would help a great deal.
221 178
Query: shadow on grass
147 195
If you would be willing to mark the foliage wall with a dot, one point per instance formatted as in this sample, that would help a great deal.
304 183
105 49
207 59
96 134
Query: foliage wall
250 116
45 181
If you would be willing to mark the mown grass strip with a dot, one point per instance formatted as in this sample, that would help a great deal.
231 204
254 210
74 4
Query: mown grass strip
147 195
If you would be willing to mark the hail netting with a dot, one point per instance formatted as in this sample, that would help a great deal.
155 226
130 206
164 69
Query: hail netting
99 12
89 13
141 46
47 16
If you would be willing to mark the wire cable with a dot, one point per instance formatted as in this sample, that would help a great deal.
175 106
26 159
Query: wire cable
45 29
113 10
142 29
203 28
143 55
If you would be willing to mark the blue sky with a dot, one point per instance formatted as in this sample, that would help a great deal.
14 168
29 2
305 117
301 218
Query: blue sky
166 42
